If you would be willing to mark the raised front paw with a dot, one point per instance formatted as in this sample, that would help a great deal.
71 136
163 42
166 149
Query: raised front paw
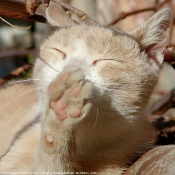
70 96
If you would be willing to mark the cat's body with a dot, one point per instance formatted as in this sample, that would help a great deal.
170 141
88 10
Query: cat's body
93 86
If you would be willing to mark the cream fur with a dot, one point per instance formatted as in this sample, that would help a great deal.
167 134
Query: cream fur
117 73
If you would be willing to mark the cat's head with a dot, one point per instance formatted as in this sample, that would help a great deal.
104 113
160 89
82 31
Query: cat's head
123 66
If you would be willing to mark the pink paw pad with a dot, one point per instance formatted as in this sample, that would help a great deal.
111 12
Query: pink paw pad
76 113
64 78
49 138
52 85
60 108
76 90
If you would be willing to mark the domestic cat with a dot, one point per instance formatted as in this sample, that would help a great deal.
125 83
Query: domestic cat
84 112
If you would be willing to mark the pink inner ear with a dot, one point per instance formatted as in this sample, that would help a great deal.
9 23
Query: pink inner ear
156 53
153 35
153 51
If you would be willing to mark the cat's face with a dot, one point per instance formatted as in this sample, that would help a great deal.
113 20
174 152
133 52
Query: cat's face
121 66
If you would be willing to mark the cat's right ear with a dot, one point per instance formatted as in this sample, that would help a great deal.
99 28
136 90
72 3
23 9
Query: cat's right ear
57 17
153 35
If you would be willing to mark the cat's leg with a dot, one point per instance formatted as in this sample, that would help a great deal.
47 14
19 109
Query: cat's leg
68 105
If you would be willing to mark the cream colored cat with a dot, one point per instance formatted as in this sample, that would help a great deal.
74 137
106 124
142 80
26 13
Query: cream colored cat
93 85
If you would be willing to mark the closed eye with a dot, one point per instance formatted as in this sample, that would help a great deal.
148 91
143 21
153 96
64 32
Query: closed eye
96 61
63 53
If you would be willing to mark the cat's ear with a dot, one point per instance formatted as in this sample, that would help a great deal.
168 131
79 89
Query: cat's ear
153 35
57 17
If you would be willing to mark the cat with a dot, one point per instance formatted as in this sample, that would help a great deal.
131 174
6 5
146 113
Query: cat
84 110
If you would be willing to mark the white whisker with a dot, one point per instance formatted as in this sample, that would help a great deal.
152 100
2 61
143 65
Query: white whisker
48 65
21 95
24 105
27 80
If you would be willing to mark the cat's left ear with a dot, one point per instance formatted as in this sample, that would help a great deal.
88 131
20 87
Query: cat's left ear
153 35
57 17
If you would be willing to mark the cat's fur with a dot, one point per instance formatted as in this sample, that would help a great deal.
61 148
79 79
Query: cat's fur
93 85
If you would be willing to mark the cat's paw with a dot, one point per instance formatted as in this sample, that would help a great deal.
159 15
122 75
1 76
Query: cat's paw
70 96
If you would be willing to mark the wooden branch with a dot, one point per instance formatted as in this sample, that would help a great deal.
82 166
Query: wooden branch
13 53
25 10
17 9
15 73
32 5
169 57
123 15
